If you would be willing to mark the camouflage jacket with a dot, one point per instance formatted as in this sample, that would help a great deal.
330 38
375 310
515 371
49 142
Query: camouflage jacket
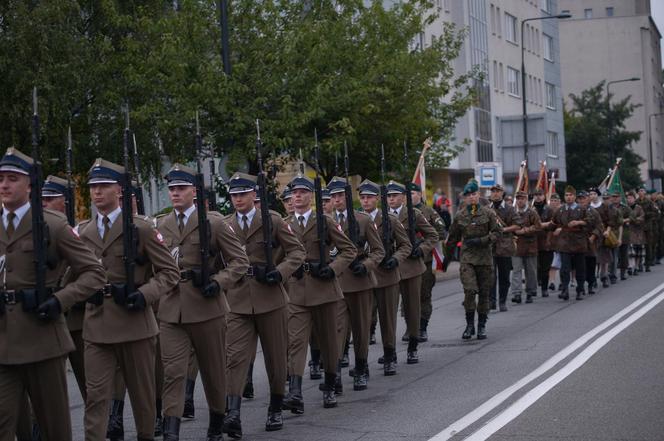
470 223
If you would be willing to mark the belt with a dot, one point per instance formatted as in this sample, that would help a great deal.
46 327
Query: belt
250 271
186 275
306 267
11 296
105 291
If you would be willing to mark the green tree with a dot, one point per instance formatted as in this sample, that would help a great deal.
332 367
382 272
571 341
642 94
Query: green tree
592 130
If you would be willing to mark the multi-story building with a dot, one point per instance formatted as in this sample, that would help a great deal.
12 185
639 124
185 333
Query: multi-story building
613 40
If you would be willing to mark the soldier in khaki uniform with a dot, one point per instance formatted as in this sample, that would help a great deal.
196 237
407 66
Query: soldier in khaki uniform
594 231
525 259
413 267
314 293
259 304
477 227
358 281
35 339
120 328
544 251
503 248
193 313
387 273
428 278
636 235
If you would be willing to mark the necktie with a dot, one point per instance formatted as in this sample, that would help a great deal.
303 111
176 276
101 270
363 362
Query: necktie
341 219
181 222
10 223
107 227
301 219
396 212
245 224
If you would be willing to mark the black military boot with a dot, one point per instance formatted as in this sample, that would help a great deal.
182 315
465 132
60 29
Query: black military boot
516 298
529 298
232 424
115 430
613 279
314 365
545 292
344 359
338 384
372 334
159 420
591 289
502 307
171 428
293 400
493 305
189 409
470 325
605 282
275 420
390 362
580 293
215 427
622 275
424 323
361 378
564 294
248 391
481 326
412 358
329 397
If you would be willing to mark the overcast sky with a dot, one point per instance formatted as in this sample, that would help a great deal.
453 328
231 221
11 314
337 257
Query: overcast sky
657 11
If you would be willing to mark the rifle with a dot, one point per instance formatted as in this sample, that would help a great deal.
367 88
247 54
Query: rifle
212 194
70 202
140 204
204 235
321 222
40 234
353 226
266 217
414 241
387 224
129 230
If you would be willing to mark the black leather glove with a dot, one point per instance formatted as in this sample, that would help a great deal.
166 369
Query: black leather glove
273 277
390 263
416 253
212 289
474 242
135 301
325 273
50 309
359 269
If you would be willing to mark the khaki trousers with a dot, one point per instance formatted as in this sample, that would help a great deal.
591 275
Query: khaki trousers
388 305
46 384
301 320
356 310
136 360
243 333
410 296
77 362
208 340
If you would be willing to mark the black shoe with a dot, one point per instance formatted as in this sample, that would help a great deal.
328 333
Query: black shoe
404 337
171 428
622 275
248 391
552 286
412 351
503 307
564 294
630 271
545 293
361 378
529 298
613 280
560 287
314 370
591 288
516 298
338 384
189 409
605 282
470 325
115 430
481 326
389 367
329 396
372 338
232 424
275 420
293 400
493 305
424 324
215 427
344 360
158 425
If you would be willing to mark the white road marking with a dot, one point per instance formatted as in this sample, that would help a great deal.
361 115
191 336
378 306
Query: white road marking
537 392
495 401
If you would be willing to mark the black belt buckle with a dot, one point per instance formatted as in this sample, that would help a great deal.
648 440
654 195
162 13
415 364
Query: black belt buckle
9 297
106 291
306 267
250 271
185 276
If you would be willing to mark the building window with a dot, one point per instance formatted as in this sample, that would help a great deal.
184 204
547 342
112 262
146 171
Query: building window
548 47
609 12
565 11
484 151
493 19
550 96
511 33
501 72
539 91
446 4
495 74
513 82
588 13
547 6
551 144
537 42
499 22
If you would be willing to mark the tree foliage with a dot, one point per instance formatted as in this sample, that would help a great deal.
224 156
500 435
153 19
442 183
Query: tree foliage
593 126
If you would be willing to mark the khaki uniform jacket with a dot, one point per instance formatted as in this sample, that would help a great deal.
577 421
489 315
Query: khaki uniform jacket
595 228
526 243
436 222
371 255
637 219
154 277
251 296
24 338
482 224
545 213
227 265
310 291
410 268
572 239
401 249
505 244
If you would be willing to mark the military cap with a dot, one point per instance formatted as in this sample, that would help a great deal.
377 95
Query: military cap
615 193
570 189
651 191
368 188
538 191
415 187
325 192
336 185
471 187
301 182
286 194
54 187
521 194
105 172
16 161
393 187
595 190
497 187
555 196
631 193
242 183
582 194
180 175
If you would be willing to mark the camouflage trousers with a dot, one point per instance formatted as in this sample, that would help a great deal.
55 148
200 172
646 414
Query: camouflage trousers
428 281
477 281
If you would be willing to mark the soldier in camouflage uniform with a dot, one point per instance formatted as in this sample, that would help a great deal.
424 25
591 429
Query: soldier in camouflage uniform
649 226
636 236
477 227
623 248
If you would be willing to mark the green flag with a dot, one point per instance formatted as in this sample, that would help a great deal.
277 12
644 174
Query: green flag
616 186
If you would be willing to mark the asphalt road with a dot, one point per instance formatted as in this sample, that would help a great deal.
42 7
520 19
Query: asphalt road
618 393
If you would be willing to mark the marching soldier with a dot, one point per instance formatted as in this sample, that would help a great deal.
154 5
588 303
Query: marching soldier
314 294
29 316
477 227
258 304
612 221
649 226
413 267
624 239
192 314
358 281
428 278
636 234
544 250
594 235
503 248
525 258
387 273
287 199
120 328
328 206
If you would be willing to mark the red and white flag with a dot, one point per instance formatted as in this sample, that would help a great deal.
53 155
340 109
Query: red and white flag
420 177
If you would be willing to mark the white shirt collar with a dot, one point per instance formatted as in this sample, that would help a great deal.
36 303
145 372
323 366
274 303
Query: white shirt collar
373 214
112 216
306 215
339 213
250 216
187 213
397 209
596 204
19 213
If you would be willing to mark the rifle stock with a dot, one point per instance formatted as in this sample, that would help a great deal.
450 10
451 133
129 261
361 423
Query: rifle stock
129 232
387 224
353 226
321 222
140 204
266 217
204 234
70 200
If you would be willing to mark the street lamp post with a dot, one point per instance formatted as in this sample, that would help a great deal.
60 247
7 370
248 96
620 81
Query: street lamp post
608 114
524 114
651 159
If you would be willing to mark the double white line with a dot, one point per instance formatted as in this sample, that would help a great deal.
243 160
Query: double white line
523 403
